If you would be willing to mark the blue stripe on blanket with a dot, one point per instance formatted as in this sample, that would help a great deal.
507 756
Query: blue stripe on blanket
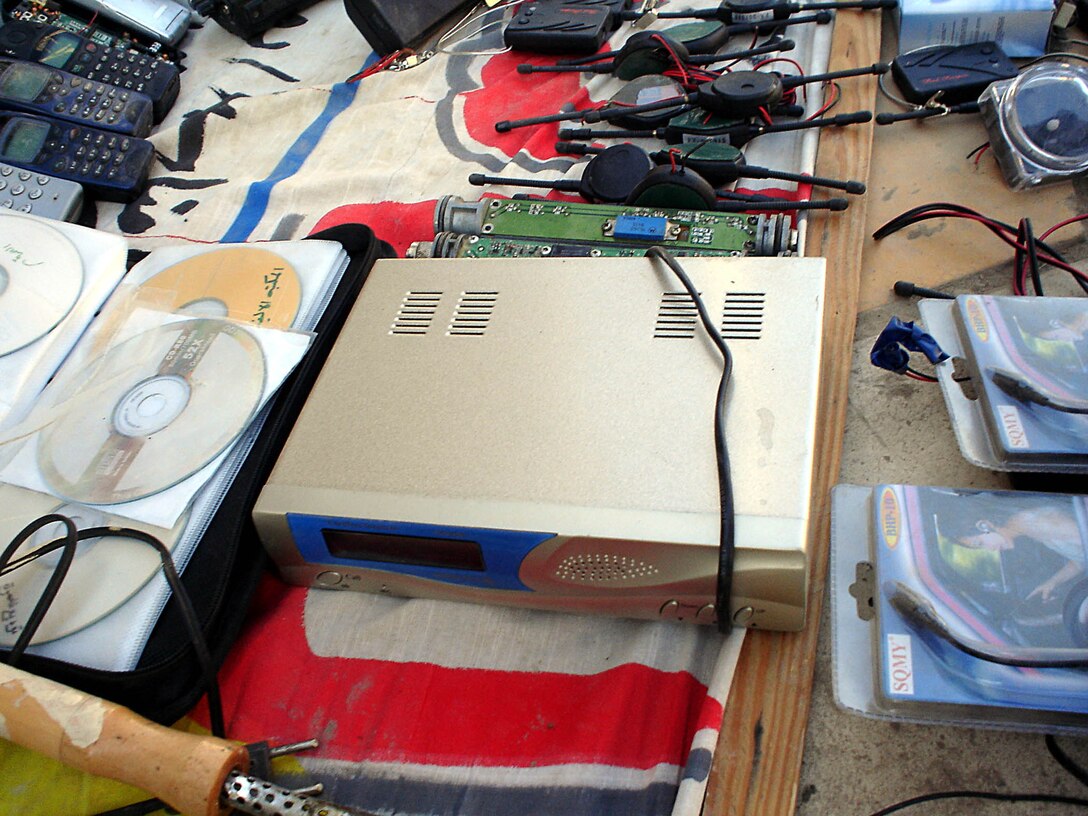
256 203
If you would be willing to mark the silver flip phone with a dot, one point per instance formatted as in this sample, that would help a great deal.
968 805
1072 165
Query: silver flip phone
164 21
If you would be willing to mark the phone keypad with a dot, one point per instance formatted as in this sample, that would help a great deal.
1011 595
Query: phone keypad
94 101
117 66
19 189
94 156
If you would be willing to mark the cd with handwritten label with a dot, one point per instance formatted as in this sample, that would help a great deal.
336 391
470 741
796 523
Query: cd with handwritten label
243 283
41 276
105 573
152 411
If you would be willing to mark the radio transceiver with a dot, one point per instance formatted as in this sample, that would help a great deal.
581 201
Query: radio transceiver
539 433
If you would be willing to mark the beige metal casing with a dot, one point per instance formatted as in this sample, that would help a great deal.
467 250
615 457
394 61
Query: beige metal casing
571 396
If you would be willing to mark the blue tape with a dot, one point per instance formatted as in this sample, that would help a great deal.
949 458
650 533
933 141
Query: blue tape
893 346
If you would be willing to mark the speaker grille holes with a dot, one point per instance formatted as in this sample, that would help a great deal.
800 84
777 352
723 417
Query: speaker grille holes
599 568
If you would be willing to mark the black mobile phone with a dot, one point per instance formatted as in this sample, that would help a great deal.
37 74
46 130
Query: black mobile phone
33 88
110 166
67 51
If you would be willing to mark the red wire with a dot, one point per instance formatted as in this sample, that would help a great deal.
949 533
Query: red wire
380 65
829 104
772 60
981 150
766 116
1001 232
676 59
1065 223
920 377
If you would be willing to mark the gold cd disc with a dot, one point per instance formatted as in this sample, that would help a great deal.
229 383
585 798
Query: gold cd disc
41 276
105 573
153 410
242 283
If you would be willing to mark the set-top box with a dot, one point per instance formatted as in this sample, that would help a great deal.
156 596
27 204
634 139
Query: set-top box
539 433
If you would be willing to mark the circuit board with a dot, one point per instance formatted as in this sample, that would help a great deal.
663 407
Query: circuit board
447 245
50 12
602 224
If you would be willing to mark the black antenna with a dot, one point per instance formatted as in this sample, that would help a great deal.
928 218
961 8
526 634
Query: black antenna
926 112
607 178
724 164
739 93
779 10
781 204
738 135
704 59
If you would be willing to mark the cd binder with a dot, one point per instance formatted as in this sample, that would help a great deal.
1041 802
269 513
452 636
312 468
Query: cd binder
222 578
961 606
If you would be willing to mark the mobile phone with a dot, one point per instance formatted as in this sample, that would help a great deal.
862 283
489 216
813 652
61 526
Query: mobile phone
114 65
33 88
164 21
26 191
110 166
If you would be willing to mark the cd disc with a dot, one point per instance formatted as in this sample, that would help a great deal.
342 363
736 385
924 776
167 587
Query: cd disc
41 276
152 411
105 572
243 283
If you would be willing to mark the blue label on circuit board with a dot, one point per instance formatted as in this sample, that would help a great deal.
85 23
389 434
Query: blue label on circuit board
640 227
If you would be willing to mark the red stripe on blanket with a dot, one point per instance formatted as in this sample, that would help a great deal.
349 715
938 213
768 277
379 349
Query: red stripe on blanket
275 688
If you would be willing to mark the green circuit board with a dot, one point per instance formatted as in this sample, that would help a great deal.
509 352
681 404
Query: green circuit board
482 246
579 223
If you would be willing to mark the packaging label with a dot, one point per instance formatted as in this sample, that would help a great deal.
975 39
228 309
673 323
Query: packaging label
1012 427
900 664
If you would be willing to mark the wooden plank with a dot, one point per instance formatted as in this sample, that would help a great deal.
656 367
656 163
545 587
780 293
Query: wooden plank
758 759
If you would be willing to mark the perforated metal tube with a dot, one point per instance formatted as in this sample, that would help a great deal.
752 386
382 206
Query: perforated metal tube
248 794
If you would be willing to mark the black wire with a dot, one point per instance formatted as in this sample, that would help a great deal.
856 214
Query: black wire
977 150
185 604
1063 759
60 570
923 213
727 531
1033 256
994 797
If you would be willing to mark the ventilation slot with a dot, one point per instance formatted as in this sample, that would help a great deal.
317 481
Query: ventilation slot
416 313
742 316
473 313
602 568
676 316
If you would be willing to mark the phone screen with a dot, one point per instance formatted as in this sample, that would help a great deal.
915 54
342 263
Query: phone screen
57 48
22 140
23 82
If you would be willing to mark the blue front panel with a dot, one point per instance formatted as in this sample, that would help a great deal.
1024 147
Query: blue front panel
500 552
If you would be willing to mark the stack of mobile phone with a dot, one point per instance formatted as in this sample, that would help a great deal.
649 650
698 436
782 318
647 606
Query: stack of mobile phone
77 110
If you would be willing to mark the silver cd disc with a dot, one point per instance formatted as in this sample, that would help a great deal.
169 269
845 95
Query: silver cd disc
41 276
104 574
152 411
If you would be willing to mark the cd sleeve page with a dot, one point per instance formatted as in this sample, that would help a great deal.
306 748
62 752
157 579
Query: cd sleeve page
142 427
54 277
